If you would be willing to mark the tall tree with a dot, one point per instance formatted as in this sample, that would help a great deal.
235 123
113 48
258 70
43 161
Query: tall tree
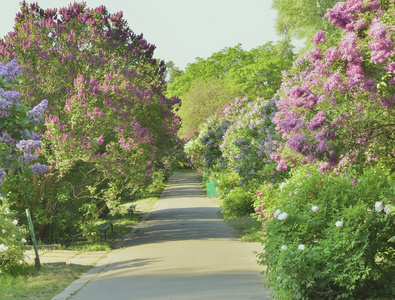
202 100
302 18
231 72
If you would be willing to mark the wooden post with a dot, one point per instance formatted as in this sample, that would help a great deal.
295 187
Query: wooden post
29 220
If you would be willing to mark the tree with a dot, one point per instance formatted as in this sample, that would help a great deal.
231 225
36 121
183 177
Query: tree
107 116
252 74
301 19
202 100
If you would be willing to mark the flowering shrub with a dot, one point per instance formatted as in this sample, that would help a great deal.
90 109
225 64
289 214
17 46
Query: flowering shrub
336 105
107 114
11 241
328 237
204 151
17 143
249 141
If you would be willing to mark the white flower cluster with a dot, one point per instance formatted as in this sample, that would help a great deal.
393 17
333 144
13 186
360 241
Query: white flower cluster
3 248
280 215
378 206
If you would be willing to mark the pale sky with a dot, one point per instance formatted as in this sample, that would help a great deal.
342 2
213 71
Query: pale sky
181 29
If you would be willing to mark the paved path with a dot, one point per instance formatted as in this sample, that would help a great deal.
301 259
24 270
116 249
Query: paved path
182 251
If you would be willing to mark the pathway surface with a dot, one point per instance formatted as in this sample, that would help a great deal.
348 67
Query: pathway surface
182 251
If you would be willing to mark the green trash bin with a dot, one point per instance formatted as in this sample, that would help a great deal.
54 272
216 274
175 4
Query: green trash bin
211 189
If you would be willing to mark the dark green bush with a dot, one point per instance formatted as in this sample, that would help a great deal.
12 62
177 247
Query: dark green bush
327 237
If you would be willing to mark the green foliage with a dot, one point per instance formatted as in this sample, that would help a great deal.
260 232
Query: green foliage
232 72
301 19
110 131
202 100
11 241
327 238
238 203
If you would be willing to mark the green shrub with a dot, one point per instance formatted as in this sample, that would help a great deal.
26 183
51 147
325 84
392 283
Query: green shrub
237 203
11 242
328 237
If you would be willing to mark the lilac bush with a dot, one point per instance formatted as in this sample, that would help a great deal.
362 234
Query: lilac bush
336 104
17 142
18 122
249 141
107 114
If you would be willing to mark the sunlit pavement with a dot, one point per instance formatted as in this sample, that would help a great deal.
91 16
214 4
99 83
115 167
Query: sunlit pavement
182 251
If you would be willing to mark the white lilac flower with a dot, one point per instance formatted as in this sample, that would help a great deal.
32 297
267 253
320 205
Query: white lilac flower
301 247
4 231
276 213
23 240
13 235
15 222
315 208
378 206
387 210
282 216
284 247
7 211
3 248
339 223
282 184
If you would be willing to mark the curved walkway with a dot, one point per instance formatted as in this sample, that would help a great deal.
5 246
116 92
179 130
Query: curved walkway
182 251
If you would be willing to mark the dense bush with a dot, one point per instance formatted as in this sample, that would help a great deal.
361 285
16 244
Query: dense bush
336 105
109 131
12 240
18 142
328 236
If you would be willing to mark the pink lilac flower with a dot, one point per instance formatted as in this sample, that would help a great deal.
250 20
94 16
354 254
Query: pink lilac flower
319 37
339 15
100 140
381 45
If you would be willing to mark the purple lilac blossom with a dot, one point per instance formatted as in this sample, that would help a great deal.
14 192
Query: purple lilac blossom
2 176
26 158
38 111
39 169
28 146
10 70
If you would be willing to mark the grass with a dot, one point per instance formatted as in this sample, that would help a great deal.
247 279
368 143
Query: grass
247 228
39 285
